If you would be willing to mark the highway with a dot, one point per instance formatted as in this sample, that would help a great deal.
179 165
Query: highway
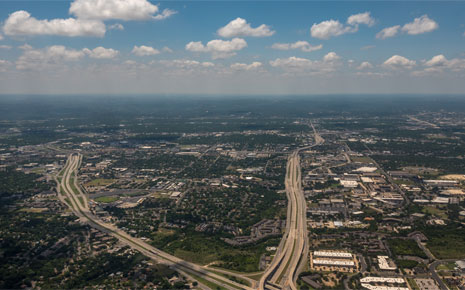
292 252
70 193
283 271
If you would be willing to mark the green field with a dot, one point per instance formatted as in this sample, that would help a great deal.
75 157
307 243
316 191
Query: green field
432 210
446 242
100 182
205 282
446 267
106 199
406 247
362 159
203 249
81 200
404 181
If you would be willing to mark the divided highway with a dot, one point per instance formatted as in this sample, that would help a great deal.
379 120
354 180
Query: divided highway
292 252
70 193
283 271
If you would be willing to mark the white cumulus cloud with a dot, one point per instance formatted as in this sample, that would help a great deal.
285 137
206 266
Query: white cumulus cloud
187 65
144 50
331 56
22 23
297 64
388 32
115 9
440 62
420 25
101 52
248 67
58 56
397 61
116 26
365 65
48 57
330 28
240 27
165 14
361 18
219 48
302 45
292 62
167 49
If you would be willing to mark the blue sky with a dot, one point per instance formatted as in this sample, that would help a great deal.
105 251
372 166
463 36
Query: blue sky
266 47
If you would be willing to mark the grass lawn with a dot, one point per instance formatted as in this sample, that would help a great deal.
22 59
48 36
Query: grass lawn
106 199
404 181
34 210
205 282
413 284
100 182
81 200
362 159
232 278
38 170
446 267
432 210
256 277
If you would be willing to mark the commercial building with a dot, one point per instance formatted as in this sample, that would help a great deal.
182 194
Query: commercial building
384 283
386 264
333 261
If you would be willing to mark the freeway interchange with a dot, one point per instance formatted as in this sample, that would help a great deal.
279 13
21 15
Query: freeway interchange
283 270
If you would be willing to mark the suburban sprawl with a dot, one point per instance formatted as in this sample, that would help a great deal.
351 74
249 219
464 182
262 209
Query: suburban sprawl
234 194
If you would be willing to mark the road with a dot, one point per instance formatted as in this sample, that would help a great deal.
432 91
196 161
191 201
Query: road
70 194
406 201
292 252
432 269
423 122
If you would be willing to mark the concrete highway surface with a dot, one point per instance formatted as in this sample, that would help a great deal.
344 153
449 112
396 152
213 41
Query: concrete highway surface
70 193
284 269
292 252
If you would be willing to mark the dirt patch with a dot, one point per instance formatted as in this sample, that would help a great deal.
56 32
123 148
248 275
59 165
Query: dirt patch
454 177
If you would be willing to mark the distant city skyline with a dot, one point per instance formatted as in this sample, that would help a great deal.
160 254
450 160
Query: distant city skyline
231 47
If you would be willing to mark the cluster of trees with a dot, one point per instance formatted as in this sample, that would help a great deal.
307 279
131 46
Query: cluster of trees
446 242
406 247
15 183
240 140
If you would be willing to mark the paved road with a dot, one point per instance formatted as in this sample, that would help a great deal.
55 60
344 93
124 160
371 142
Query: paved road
406 201
71 195
293 250
432 268
289 259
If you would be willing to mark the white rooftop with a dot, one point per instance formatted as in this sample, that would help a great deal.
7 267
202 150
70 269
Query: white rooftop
332 254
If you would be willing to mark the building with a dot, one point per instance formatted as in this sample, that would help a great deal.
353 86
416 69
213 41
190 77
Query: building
383 283
333 261
386 264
